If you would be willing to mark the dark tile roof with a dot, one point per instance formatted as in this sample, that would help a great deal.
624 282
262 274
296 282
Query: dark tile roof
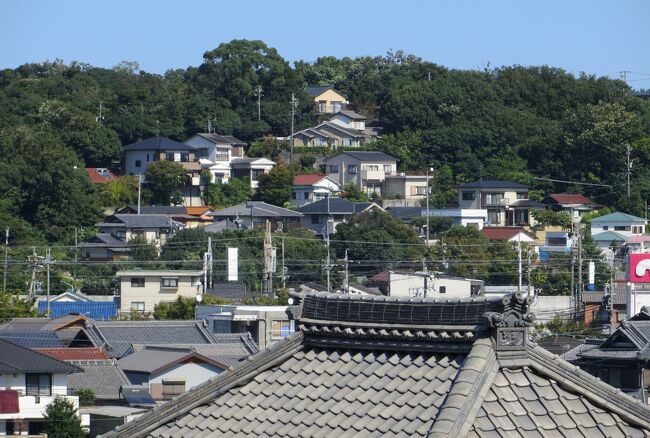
336 206
351 114
404 213
222 139
223 225
169 210
15 358
229 349
159 144
155 359
316 90
30 339
491 184
387 366
254 209
104 377
118 336
370 156
140 220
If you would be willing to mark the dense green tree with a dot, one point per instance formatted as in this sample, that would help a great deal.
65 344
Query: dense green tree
275 186
12 306
141 250
62 420
183 307
120 192
164 179
235 191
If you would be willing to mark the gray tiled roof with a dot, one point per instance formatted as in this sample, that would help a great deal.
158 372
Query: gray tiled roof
17 359
30 339
316 90
140 220
104 377
223 139
225 351
254 209
149 360
387 366
369 156
159 144
118 336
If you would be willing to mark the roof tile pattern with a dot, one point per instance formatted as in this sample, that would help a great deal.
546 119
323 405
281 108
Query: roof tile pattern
104 377
330 392
523 403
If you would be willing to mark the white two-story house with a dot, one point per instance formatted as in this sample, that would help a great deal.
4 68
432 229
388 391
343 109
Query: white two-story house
506 202
29 382
366 170
310 187
218 153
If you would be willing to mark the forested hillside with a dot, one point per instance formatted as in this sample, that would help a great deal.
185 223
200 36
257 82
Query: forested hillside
516 123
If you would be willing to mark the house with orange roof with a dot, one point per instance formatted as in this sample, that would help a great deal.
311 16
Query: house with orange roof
508 234
311 187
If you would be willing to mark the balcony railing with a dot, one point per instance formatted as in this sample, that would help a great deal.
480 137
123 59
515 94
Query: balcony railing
495 202
373 175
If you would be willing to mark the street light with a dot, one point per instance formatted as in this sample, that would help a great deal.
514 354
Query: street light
427 195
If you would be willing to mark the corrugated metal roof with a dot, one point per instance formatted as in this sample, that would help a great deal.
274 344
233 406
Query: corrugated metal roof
97 310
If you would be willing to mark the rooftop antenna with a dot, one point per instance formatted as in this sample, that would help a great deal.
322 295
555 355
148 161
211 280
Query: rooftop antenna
294 105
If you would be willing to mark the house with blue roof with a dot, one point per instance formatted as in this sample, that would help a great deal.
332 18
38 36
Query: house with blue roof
611 231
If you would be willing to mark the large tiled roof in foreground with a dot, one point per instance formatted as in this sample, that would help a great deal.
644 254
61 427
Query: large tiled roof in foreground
386 366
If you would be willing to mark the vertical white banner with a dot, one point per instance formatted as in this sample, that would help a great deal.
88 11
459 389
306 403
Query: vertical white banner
233 264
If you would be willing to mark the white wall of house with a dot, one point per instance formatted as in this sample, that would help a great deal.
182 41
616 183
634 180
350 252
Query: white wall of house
133 158
344 169
411 284
626 228
303 195
347 122
29 407
144 298
465 216
194 373
546 308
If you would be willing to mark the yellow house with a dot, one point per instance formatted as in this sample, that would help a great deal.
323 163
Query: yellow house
327 100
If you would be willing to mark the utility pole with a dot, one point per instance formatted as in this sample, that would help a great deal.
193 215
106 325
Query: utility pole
294 105
34 261
519 261
48 262
629 167
426 277
4 280
269 259
528 272
346 286
139 190
427 195
624 74
259 92
100 118
284 276
580 284
328 265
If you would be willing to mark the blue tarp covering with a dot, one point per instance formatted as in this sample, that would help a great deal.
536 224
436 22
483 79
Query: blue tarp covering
97 310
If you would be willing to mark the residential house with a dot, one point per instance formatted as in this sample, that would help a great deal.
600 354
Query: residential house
327 100
311 187
603 309
556 242
638 244
100 175
64 331
251 168
169 372
391 366
465 217
610 242
29 382
190 217
265 325
427 284
84 306
118 337
331 210
366 170
410 189
343 128
115 232
138 156
622 224
142 290
508 234
622 359
506 202
574 204
218 153
254 214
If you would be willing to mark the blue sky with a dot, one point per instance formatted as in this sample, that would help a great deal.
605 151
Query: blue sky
597 37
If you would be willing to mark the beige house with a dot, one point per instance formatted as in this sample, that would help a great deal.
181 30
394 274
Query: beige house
327 100
141 290
366 170
412 188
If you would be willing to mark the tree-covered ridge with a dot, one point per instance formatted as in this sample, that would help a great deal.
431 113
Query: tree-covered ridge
517 123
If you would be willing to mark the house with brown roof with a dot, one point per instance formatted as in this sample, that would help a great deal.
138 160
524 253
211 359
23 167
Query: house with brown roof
389 366
312 187
573 203
100 175
508 234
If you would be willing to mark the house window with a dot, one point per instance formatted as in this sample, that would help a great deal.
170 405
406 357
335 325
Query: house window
373 168
38 385
334 169
468 196
556 241
315 219
256 173
493 216
172 387
293 195
185 158
169 156
637 229
442 289
522 195
138 163
137 306
621 228
137 281
521 217
353 168
281 328
421 190
169 282
605 227
307 195
147 158
388 169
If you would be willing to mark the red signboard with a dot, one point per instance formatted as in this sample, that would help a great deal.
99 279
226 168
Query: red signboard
639 268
